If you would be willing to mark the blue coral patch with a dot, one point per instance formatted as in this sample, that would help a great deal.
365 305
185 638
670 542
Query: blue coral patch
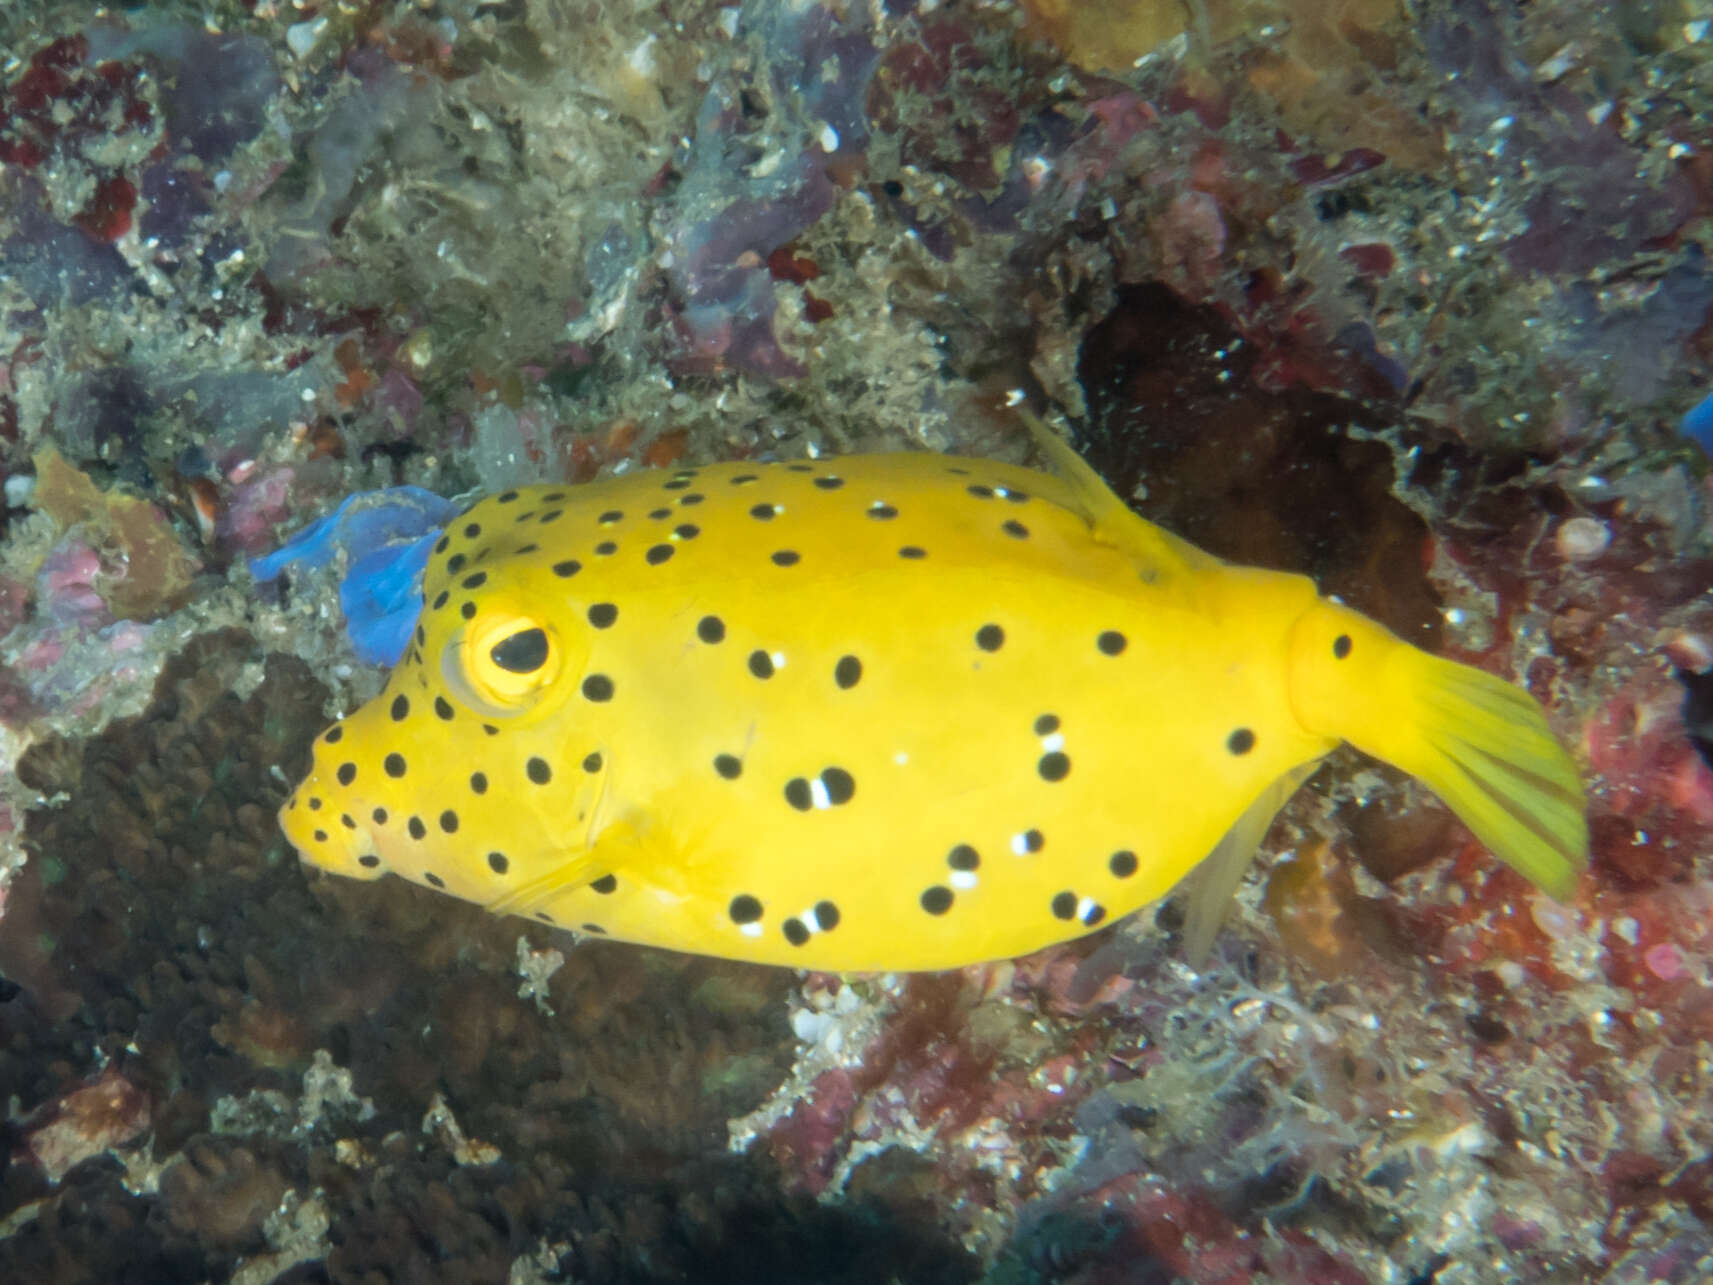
386 538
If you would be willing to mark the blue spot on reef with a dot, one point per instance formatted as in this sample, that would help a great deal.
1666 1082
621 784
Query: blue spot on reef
386 537
1698 424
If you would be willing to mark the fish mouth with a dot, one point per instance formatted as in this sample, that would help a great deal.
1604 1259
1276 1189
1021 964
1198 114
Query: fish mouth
321 825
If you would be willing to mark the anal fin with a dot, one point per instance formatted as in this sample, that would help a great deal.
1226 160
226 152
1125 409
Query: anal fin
1212 885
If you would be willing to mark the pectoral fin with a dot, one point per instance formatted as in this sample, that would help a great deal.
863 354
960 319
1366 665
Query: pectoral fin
616 850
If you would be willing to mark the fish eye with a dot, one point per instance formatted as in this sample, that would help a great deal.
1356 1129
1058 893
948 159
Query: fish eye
522 653
500 663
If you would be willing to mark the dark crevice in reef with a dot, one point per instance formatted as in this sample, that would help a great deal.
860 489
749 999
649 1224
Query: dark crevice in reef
164 926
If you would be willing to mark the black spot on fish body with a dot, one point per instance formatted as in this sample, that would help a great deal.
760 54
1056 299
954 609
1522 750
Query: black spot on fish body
839 784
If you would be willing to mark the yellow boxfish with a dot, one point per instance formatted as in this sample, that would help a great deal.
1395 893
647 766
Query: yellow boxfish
880 712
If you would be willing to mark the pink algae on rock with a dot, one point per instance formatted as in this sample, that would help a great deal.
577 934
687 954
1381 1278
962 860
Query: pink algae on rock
145 570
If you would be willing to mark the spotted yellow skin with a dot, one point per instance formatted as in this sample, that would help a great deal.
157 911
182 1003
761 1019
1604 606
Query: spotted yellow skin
883 712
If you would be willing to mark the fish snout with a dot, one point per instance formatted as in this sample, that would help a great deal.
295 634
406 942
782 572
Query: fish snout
328 830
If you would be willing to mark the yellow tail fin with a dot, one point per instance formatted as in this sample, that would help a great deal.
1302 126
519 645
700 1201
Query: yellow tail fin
1477 741
1486 749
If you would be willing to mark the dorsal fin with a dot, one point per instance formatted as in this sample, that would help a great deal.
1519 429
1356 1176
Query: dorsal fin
1156 552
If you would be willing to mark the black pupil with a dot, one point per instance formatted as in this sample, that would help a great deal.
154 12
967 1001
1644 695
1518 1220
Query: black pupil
523 653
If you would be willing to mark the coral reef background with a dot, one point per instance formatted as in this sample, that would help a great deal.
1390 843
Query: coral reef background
1414 298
